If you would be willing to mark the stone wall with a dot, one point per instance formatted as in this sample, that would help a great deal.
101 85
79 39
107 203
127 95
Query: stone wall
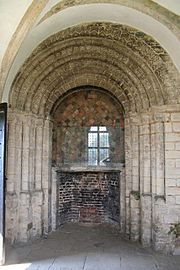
28 177
149 186
128 65
88 197
152 174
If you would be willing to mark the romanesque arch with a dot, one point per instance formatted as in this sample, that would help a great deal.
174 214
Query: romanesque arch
140 74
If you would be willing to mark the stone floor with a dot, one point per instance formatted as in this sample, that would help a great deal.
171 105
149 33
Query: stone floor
76 247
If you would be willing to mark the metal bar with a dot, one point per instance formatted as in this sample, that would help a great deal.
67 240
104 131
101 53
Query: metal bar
98 146
3 120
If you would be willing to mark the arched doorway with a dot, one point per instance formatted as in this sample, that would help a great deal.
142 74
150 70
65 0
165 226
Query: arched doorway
136 70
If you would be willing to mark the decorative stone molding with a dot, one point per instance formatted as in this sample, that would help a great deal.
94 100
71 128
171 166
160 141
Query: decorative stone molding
136 65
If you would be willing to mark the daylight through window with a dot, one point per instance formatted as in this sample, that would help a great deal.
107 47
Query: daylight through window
98 146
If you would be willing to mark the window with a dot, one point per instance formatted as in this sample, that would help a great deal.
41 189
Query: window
98 145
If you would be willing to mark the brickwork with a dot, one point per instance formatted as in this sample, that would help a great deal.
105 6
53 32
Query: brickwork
88 197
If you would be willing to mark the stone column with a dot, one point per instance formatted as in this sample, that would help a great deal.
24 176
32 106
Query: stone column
165 175
38 154
29 180
14 145
46 175
54 199
145 180
135 187
167 206
25 155
128 180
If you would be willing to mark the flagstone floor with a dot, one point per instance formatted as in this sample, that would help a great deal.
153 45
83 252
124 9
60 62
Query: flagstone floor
77 247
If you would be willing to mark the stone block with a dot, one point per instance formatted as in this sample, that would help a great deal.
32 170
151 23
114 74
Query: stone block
178 182
176 126
171 182
172 137
177 146
178 163
173 191
168 127
10 186
175 117
144 130
171 163
162 117
24 199
37 198
170 218
170 146
178 199
172 172
173 154
171 200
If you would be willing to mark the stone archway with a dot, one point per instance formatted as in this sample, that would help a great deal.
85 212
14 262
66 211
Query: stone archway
139 73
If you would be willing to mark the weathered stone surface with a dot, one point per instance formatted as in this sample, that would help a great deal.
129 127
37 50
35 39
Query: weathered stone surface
89 56
136 70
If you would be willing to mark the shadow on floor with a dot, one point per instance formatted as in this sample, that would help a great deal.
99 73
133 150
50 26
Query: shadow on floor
77 247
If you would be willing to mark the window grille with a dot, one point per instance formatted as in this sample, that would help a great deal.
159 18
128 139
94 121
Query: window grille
98 145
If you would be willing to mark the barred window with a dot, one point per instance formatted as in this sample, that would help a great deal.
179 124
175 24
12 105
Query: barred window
98 145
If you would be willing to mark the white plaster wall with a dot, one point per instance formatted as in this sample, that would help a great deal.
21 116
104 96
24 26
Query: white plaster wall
173 5
11 13
48 7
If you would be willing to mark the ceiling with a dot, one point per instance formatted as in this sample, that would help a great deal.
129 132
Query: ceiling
172 5
11 13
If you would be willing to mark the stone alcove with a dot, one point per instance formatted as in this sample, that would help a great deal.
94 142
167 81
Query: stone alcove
88 156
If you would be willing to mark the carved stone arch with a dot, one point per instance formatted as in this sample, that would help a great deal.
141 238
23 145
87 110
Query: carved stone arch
96 80
63 44
92 67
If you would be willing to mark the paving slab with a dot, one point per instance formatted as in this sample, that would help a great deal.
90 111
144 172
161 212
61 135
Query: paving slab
78 247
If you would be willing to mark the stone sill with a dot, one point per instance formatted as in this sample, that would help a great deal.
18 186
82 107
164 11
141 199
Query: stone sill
89 168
